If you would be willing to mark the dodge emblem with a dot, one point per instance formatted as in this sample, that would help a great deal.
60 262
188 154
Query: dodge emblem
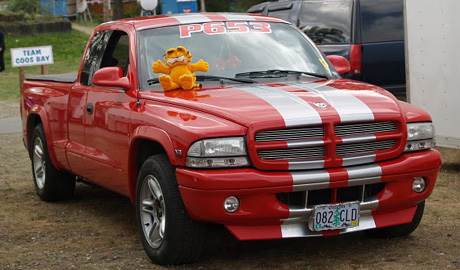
320 104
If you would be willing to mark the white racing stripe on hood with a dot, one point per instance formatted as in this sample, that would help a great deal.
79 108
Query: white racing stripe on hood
349 107
294 110
195 18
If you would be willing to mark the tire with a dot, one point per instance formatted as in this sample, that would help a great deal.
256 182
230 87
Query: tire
160 212
399 230
50 184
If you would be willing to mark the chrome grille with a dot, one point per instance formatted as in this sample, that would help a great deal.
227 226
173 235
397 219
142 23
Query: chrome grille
290 134
364 128
293 153
307 148
361 148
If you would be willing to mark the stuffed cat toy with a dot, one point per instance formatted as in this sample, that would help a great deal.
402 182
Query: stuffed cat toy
178 65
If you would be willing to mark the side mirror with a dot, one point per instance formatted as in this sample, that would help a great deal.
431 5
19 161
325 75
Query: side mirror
341 64
111 77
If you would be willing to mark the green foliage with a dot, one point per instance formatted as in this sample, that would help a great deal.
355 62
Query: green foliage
14 17
132 12
26 6
230 6
67 52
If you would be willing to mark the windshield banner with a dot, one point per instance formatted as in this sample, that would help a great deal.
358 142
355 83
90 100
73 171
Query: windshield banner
216 28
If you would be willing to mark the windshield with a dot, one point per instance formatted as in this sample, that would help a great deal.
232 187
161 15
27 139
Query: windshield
232 48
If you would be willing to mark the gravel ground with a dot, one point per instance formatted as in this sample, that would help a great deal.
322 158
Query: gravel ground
96 230
9 109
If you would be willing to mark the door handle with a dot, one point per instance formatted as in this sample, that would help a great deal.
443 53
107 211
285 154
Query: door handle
89 108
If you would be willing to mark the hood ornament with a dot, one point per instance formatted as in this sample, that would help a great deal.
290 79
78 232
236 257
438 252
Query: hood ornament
320 104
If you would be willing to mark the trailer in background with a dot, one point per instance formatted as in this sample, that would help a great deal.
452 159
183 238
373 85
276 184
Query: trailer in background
432 56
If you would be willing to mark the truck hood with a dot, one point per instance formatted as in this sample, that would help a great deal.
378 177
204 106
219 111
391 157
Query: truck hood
289 104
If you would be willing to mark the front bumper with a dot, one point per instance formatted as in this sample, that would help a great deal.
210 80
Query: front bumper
263 216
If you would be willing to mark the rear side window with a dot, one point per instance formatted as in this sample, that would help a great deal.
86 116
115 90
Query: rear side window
327 22
382 20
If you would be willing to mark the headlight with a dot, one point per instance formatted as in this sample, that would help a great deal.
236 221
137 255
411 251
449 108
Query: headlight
220 152
420 136
420 131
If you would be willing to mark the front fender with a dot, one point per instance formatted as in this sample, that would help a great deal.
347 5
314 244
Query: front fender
157 135
149 133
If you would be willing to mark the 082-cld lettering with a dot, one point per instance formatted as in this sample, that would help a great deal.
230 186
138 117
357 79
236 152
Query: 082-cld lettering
344 215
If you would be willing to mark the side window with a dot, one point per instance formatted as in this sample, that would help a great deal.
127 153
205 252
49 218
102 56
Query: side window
327 22
382 21
94 56
117 52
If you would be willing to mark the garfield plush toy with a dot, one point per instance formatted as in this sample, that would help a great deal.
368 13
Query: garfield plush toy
180 69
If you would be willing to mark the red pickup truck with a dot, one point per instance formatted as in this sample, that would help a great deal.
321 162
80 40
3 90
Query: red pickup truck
274 144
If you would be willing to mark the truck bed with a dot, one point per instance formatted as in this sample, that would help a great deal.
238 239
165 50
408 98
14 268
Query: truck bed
63 78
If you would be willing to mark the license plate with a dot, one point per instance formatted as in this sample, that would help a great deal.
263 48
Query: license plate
335 216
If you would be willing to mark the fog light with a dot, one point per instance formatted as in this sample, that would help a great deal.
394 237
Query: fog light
231 204
419 184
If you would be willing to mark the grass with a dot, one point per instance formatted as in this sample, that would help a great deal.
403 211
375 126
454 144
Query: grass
67 52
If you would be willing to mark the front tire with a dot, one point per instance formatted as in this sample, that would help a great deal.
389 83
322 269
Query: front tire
50 184
168 234
399 230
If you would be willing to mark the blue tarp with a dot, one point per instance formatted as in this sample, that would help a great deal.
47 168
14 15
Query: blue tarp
53 7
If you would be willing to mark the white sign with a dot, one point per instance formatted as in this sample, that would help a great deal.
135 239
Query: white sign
32 56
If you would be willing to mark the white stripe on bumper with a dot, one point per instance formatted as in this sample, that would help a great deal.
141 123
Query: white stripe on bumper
301 229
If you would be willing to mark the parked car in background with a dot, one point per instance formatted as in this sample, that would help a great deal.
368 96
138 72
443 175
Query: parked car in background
369 33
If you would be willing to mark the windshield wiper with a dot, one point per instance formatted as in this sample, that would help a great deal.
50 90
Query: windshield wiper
153 81
209 78
219 78
278 73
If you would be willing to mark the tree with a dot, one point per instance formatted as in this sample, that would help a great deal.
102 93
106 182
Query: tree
118 9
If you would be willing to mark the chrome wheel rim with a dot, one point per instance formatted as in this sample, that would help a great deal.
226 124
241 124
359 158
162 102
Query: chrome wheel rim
39 162
153 211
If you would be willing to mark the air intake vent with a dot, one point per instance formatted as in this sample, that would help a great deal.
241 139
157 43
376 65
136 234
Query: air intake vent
294 153
363 148
290 134
364 128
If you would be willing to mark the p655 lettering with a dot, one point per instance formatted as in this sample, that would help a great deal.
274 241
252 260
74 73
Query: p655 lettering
216 28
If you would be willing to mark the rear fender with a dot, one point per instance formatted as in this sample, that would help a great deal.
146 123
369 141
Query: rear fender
40 111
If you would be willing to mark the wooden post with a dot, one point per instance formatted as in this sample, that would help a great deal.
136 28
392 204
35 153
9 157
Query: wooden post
44 69
21 77
203 6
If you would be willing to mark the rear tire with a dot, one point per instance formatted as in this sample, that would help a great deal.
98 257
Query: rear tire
168 234
50 184
399 230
